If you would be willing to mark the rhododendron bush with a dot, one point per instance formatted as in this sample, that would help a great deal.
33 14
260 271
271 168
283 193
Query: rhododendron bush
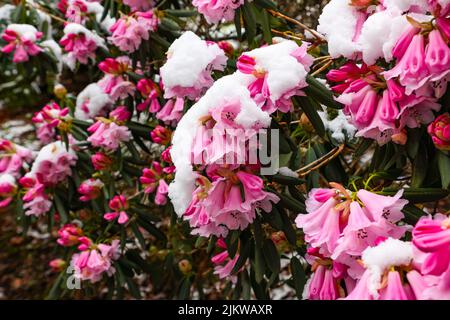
151 173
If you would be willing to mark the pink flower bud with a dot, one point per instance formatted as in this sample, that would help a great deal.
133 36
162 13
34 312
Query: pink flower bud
439 130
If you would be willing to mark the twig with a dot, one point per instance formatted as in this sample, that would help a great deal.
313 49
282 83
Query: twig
320 162
317 35
324 67
287 35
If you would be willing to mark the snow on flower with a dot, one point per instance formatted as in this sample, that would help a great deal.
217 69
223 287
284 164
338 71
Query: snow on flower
218 10
80 43
90 189
339 127
278 72
190 61
130 30
53 164
48 119
21 39
92 102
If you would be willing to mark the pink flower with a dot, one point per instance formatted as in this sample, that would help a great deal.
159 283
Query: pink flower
218 10
69 235
101 161
342 227
165 155
323 285
265 87
8 188
137 5
13 157
439 130
161 135
172 112
116 82
21 39
432 236
35 198
119 204
93 262
57 265
223 263
153 179
90 189
109 133
53 164
219 204
49 118
80 43
76 11
150 92
129 31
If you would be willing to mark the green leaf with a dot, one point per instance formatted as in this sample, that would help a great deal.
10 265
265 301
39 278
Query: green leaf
286 180
259 265
288 229
320 93
418 195
185 289
249 21
444 168
274 219
138 235
266 4
420 167
271 256
311 112
292 204
181 13
61 208
299 276
244 253
412 213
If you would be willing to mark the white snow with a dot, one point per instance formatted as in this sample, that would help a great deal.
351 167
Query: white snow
284 72
340 127
404 5
97 101
78 28
338 24
6 11
26 31
55 49
188 57
50 152
232 88
7 179
391 252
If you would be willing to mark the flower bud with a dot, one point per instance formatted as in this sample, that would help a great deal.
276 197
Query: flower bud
439 130
185 266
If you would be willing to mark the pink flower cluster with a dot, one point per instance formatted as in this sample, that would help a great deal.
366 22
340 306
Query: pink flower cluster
119 204
36 200
129 31
217 10
109 133
80 43
384 102
353 240
115 83
13 157
269 66
69 235
156 178
95 260
90 189
342 225
21 39
53 164
49 118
